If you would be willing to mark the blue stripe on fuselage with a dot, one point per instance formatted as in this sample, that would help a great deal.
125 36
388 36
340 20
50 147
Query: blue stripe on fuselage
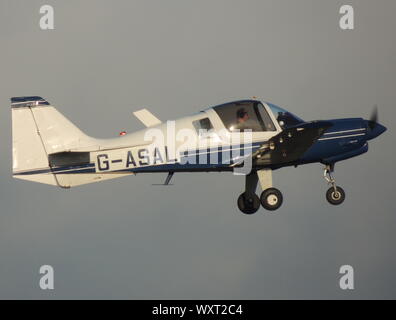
188 161
60 169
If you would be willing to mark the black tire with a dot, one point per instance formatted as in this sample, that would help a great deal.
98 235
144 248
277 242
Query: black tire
335 198
248 204
271 199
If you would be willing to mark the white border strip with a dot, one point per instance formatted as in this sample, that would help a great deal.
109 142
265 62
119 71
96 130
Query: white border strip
345 131
348 136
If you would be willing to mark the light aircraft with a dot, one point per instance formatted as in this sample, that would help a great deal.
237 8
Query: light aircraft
48 148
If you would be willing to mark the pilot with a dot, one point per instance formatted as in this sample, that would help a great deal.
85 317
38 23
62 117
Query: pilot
242 116
244 122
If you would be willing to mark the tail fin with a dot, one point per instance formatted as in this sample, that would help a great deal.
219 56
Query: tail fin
38 131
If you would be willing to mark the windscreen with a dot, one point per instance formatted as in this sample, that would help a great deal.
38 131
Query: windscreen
284 117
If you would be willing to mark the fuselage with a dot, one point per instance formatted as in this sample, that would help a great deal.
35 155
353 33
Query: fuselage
48 148
219 147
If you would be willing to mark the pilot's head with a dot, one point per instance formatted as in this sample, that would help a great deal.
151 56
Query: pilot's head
242 115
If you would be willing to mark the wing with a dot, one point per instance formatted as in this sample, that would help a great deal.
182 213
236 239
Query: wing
290 144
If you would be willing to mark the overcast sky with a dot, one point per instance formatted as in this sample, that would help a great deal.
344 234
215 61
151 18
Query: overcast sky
128 239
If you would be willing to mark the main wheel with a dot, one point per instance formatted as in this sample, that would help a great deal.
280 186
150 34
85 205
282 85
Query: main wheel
271 199
335 197
248 203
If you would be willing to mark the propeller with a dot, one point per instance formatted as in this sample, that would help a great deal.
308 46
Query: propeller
373 118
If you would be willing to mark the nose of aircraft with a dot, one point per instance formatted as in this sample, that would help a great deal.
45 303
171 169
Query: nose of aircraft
374 129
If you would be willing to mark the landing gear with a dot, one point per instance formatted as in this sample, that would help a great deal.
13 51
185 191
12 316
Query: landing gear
271 199
335 195
248 203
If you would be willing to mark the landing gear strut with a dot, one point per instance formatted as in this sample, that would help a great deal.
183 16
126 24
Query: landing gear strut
335 195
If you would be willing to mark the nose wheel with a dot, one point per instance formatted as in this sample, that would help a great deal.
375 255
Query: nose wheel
335 195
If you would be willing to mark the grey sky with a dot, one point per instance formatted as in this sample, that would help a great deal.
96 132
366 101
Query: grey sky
128 239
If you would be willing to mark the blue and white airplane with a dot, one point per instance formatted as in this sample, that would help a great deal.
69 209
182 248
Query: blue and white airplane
48 148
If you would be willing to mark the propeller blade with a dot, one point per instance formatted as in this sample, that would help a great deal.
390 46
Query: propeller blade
374 117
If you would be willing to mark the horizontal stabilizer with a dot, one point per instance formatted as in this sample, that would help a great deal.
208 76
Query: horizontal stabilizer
147 118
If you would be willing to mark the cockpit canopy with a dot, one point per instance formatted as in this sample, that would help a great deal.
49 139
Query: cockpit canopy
252 115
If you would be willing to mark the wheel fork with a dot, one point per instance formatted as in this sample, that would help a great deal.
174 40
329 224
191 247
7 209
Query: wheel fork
327 174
